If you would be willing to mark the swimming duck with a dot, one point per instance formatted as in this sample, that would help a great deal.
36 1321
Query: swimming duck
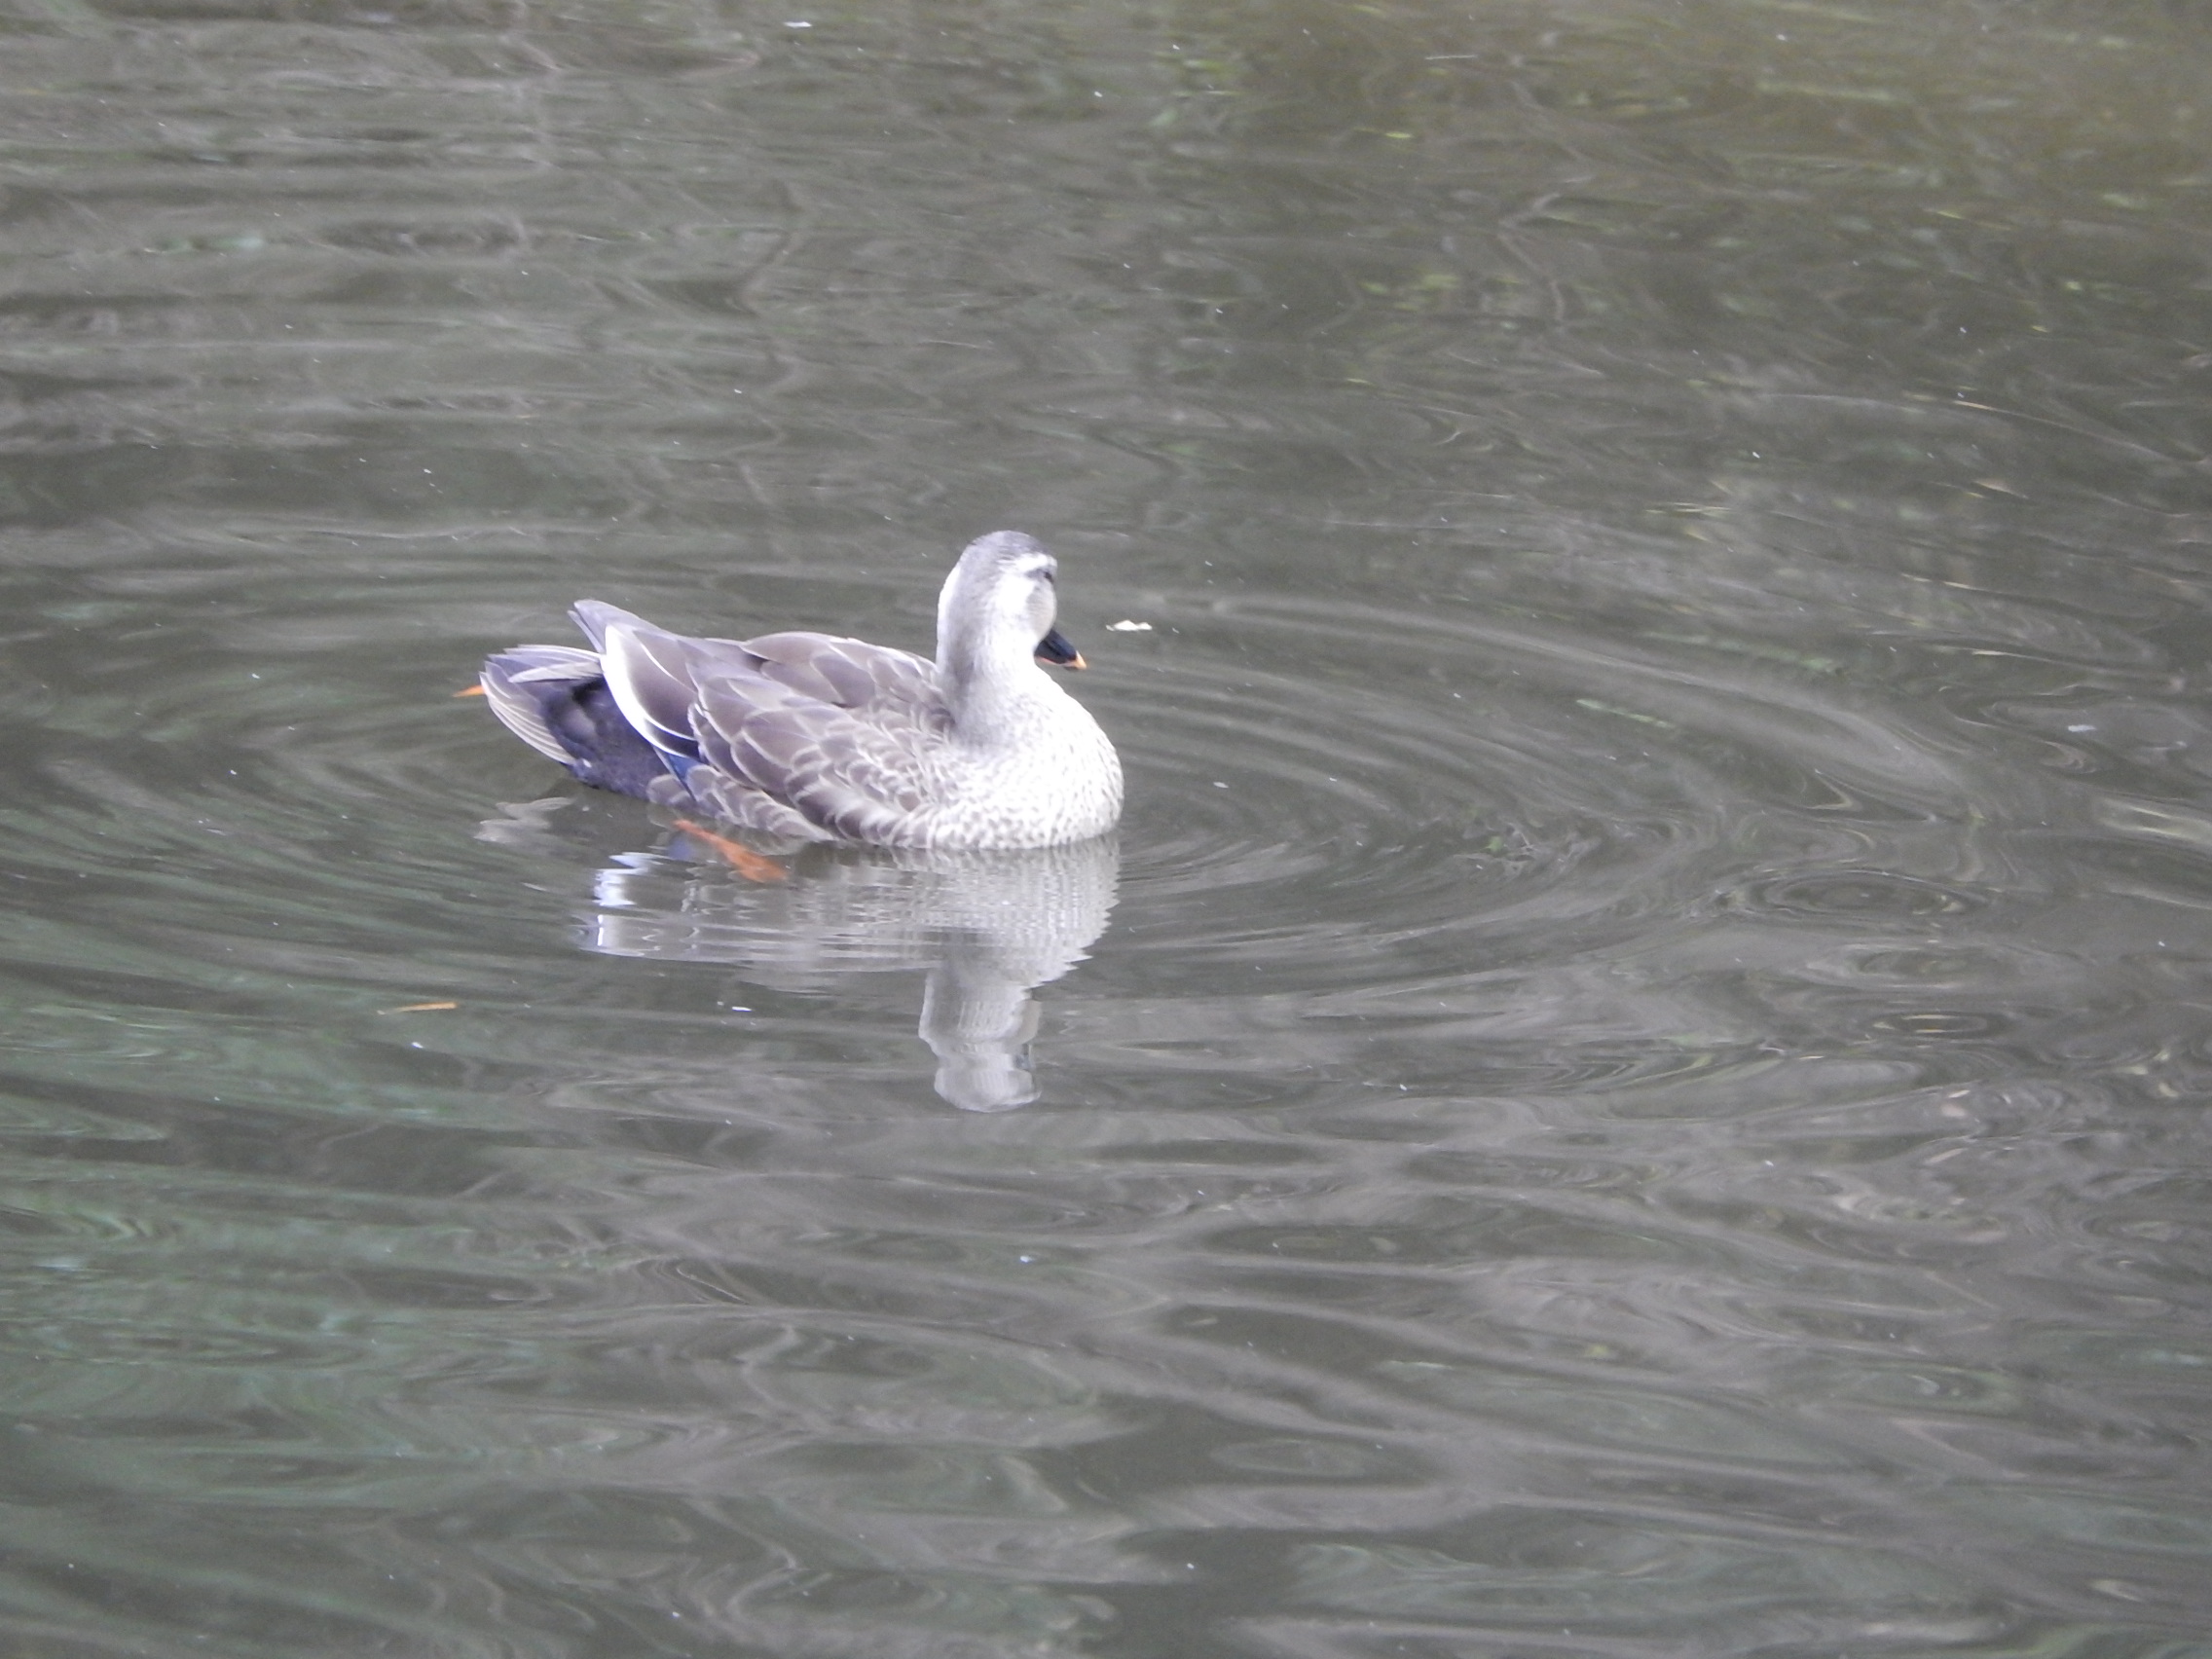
812 737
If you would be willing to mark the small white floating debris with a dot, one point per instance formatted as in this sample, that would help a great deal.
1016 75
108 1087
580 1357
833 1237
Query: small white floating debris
1125 626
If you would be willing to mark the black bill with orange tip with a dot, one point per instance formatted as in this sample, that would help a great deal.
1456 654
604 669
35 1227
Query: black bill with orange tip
1055 649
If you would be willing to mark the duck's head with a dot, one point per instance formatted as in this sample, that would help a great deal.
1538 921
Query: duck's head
999 601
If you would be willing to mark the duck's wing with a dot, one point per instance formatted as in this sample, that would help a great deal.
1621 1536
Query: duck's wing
849 674
863 774
652 675
795 732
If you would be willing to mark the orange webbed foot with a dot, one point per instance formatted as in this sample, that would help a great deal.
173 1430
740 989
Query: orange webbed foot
752 865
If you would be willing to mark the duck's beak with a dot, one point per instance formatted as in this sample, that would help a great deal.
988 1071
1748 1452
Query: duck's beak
1055 649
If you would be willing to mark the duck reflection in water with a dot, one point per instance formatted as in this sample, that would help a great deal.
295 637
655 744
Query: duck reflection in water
987 927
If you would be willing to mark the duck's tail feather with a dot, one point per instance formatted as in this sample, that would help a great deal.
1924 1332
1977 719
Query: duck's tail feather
527 683
556 699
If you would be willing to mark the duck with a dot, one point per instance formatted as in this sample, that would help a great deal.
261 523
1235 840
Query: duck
812 737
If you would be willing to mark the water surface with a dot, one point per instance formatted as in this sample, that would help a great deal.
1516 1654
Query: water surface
1632 1084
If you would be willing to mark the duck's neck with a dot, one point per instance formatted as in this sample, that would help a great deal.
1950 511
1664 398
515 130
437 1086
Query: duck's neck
989 684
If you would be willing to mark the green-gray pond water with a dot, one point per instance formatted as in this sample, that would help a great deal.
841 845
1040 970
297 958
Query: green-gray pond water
1632 1085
